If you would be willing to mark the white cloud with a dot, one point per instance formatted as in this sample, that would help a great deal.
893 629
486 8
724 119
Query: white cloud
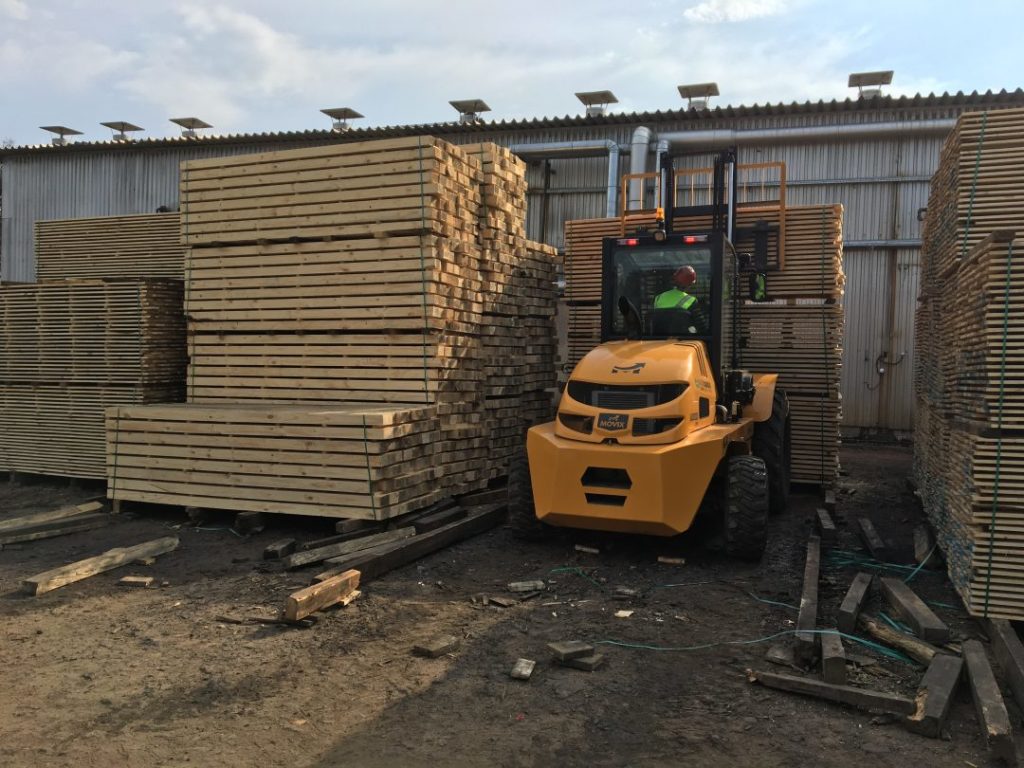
16 9
718 11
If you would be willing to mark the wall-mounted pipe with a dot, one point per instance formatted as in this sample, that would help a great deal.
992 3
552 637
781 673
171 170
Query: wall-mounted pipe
639 148
725 137
570 149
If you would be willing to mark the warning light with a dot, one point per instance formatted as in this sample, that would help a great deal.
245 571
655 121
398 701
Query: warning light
630 241
690 239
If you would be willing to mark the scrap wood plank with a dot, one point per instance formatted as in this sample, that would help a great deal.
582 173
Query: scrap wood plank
873 701
914 611
935 695
988 701
60 513
851 606
806 638
55 528
872 540
916 649
313 598
83 569
299 559
1009 653
379 560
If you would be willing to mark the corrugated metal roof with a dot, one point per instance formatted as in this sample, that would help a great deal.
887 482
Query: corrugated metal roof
959 99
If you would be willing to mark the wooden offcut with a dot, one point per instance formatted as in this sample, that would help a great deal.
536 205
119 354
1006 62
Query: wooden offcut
331 551
916 649
83 569
935 695
853 602
53 528
913 610
807 618
833 659
861 698
60 513
318 596
988 703
872 540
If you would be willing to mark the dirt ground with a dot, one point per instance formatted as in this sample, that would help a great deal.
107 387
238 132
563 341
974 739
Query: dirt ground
94 674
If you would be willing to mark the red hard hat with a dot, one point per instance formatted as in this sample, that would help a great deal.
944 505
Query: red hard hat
685 277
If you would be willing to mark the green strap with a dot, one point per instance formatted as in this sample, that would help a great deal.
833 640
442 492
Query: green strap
974 185
999 428
423 271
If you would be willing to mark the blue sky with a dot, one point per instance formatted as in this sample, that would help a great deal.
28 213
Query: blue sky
262 65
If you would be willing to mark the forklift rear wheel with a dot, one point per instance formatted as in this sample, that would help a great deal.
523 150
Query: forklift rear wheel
746 507
772 444
521 514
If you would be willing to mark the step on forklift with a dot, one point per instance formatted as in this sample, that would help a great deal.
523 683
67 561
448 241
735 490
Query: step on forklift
660 424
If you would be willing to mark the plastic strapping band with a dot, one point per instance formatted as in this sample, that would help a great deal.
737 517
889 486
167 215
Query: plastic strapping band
423 270
999 428
369 475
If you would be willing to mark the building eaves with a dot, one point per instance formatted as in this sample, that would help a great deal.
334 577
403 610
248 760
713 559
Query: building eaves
1001 98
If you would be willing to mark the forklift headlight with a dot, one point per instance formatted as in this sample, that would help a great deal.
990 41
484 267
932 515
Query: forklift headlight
584 424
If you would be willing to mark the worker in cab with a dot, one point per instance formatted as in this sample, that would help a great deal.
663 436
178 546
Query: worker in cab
677 297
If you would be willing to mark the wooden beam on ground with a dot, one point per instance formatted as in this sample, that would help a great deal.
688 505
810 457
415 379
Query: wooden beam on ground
913 610
826 527
278 549
872 540
61 513
861 698
1009 652
373 563
439 519
301 604
988 701
918 650
833 659
806 622
935 695
83 569
55 528
852 604
350 526
299 559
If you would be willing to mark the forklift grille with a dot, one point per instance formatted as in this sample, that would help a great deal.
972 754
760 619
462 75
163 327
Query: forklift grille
624 398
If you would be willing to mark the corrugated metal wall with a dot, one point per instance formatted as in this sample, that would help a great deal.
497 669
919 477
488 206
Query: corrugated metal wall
881 183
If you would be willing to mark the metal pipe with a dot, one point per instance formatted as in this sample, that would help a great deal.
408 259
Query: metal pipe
638 164
725 137
571 149
612 199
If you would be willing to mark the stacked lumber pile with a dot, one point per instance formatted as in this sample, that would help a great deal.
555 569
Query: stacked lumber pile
384 275
798 333
969 370
69 350
147 245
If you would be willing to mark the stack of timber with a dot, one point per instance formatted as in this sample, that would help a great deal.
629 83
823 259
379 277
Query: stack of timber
71 349
798 333
147 245
386 274
331 461
969 371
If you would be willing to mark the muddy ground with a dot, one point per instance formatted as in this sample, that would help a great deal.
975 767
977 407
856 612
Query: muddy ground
94 674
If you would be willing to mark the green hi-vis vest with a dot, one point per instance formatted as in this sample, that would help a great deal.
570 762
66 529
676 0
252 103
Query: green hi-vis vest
674 299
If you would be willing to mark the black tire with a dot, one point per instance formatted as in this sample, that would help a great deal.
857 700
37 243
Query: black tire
522 516
745 515
772 444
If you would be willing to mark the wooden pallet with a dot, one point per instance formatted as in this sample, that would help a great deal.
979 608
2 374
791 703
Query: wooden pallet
145 245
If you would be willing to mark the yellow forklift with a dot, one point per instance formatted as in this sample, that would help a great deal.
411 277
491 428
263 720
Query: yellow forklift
661 422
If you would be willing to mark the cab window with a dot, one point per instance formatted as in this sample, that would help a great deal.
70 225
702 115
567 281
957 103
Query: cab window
670 288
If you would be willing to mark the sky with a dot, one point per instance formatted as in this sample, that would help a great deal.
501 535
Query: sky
271 65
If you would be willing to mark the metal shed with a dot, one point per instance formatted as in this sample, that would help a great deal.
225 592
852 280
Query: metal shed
874 155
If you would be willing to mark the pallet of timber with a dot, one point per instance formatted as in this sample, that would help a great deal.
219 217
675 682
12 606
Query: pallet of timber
92 331
815 438
354 189
969 423
332 461
144 245
59 430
